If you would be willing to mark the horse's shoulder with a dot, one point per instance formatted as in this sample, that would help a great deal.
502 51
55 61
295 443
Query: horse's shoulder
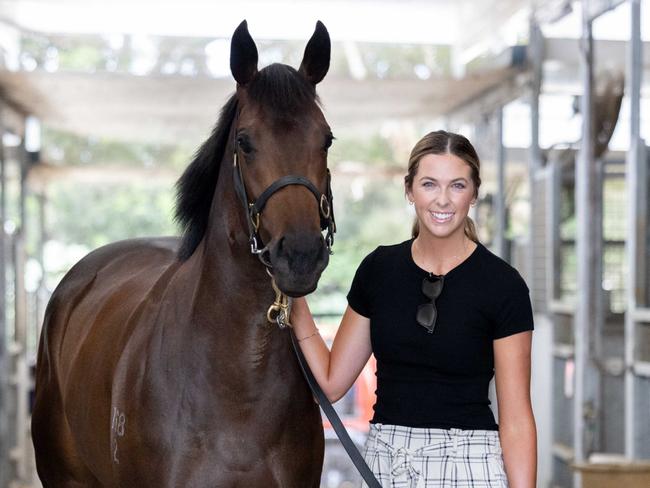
132 254
164 245
155 248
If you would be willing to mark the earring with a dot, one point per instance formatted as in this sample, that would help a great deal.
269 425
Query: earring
410 202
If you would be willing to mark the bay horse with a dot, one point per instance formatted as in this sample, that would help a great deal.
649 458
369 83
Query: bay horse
157 366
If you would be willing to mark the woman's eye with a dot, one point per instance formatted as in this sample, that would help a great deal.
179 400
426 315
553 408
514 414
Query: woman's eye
459 186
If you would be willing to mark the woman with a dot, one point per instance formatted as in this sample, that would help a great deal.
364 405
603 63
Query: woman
442 315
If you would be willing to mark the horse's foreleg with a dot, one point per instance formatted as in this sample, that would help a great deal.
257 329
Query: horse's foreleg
57 461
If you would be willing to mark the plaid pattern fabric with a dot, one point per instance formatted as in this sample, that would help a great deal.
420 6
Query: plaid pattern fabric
407 457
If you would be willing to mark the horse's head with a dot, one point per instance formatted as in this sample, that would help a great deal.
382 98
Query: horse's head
280 140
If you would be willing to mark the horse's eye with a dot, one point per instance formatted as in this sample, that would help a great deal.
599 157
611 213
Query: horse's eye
244 143
328 142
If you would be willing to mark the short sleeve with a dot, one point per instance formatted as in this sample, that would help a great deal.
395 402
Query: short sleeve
514 312
359 296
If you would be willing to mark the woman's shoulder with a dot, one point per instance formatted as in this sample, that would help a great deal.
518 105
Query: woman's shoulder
386 254
500 271
392 250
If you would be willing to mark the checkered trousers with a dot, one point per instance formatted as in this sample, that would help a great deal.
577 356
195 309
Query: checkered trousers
407 457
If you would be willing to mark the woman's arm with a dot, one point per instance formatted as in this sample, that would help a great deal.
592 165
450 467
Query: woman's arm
337 370
516 422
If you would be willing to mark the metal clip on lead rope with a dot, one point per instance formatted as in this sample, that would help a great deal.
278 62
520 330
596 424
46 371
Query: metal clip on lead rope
280 311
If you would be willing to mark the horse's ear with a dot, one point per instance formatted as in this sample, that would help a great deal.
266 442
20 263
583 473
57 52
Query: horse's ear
243 55
316 60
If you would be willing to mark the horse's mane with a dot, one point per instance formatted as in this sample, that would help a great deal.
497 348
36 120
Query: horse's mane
281 91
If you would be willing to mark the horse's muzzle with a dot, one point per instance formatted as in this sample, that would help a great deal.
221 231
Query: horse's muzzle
298 259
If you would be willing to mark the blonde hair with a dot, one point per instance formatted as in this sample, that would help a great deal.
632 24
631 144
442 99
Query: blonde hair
443 142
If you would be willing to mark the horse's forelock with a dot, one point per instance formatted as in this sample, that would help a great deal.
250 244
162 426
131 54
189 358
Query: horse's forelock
282 91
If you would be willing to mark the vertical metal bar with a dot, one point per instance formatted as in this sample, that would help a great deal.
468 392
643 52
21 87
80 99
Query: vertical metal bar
21 376
588 185
500 196
633 184
4 434
554 183
534 158
41 293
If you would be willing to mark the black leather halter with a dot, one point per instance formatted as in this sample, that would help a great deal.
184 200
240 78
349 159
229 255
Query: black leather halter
254 209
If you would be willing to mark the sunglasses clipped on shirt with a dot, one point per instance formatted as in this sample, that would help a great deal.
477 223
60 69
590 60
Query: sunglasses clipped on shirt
427 312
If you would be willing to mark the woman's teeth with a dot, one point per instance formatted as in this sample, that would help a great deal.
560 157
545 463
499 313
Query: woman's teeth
442 216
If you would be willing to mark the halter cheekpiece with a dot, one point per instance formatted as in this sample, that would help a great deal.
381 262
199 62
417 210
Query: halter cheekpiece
280 310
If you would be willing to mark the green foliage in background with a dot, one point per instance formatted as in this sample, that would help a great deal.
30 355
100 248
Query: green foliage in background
381 217
374 150
94 215
64 147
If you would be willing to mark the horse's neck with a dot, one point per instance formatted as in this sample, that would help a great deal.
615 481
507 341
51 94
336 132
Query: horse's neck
231 289
225 258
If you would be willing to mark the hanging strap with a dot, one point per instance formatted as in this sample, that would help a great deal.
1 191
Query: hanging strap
334 419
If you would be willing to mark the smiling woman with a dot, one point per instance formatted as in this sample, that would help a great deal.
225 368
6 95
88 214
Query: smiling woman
443 316
447 170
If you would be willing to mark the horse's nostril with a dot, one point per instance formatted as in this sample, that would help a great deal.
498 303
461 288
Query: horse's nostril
280 244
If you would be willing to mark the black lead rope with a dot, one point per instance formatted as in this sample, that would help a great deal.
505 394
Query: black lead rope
334 419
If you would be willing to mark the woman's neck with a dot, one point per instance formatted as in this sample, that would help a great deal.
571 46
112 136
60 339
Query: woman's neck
439 256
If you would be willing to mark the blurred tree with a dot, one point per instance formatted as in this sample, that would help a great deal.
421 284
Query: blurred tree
95 215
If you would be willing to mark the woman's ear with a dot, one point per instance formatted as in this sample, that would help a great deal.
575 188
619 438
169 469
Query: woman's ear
409 194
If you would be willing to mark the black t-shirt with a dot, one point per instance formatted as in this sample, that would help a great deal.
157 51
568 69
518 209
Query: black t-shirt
437 380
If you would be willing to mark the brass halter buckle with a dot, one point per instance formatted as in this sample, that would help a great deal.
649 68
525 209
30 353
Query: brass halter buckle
280 311
254 216
324 207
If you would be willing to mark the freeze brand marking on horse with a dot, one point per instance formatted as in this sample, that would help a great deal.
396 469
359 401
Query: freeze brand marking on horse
118 426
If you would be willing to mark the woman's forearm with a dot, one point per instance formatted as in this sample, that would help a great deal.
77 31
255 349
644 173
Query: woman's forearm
337 370
519 445
312 345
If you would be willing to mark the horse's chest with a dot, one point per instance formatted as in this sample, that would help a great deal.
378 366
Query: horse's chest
205 423
220 450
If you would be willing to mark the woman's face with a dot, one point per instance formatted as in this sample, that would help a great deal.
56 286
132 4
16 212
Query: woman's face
442 193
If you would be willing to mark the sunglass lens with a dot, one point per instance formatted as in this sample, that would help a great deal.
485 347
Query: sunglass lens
432 288
426 316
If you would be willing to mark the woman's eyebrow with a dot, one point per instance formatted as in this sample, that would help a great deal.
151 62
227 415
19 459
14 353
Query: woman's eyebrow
461 178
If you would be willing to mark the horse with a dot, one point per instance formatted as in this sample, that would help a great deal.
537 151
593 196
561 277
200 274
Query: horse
157 364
